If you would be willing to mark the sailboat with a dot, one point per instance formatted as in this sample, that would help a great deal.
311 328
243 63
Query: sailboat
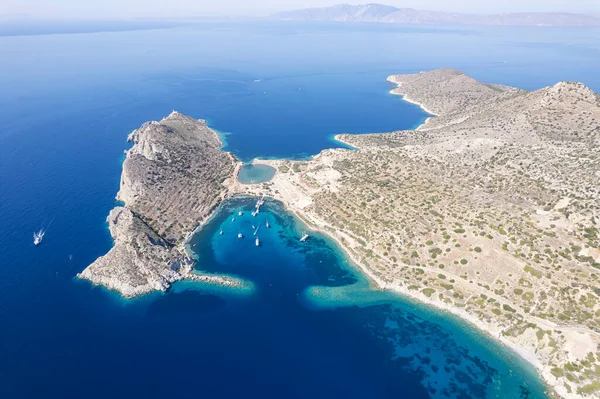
38 237
257 242
267 224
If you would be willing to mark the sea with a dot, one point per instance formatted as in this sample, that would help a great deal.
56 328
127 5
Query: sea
305 322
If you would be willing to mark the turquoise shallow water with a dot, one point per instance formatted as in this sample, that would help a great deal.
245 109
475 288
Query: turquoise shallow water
250 173
309 293
68 102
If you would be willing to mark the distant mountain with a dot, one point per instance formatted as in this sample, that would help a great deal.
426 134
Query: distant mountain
389 14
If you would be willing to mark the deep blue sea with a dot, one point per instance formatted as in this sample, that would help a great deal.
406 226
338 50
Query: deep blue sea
310 326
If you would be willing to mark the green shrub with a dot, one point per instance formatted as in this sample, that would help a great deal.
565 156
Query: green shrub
508 308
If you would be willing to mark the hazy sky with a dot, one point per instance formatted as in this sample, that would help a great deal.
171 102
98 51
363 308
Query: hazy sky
170 8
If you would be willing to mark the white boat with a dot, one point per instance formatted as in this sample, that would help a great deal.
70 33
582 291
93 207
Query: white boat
259 203
267 224
240 213
304 237
221 232
233 219
240 235
38 237
257 242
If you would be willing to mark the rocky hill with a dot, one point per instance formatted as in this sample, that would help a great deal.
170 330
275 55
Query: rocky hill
173 178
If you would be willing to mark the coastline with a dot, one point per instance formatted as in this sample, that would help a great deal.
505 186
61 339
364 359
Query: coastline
397 92
380 284
377 283
490 330
215 208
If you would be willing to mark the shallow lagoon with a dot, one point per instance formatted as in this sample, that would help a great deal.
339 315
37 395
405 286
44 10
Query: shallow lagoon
255 173
314 321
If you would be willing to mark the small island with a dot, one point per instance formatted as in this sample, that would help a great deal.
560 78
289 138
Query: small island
489 210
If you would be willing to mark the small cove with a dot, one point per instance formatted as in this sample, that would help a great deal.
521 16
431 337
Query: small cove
310 290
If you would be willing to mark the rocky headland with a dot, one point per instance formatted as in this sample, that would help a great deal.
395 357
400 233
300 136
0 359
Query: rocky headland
174 176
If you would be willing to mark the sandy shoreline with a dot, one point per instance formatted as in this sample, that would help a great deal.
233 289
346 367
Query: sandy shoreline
345 242
492 331
380 284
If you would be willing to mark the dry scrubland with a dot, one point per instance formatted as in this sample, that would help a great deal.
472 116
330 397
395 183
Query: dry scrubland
490 210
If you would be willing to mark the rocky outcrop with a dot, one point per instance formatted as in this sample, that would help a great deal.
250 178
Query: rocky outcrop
173 177
141 261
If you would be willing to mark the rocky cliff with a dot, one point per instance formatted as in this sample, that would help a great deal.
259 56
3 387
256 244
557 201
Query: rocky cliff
173 177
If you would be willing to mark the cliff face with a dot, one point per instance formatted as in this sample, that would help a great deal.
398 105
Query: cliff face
173 177
141 261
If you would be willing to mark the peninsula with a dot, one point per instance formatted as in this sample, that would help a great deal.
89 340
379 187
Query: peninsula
173 178
489 210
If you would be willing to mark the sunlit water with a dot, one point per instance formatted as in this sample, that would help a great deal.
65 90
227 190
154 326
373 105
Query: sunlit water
317 325
306 323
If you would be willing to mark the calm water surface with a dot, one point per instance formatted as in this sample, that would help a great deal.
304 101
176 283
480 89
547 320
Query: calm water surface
251 174
273 90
